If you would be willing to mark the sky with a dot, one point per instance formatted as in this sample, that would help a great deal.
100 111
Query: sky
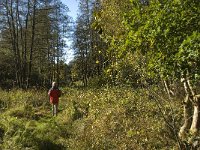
73 7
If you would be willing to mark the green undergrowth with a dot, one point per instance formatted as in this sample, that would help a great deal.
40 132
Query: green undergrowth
105 118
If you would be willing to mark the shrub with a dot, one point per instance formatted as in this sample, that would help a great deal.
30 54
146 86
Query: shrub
105 118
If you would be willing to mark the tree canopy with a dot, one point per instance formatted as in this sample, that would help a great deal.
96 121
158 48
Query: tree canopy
135 43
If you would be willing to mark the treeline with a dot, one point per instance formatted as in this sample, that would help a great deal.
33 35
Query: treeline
140 43
136 41
131 42
32 42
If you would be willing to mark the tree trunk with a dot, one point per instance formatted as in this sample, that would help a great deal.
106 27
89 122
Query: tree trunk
13 36
167 88
196 104
196 116
32 45
189 130
187 111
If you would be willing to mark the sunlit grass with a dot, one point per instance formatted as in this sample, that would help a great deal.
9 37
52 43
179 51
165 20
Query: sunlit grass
106 118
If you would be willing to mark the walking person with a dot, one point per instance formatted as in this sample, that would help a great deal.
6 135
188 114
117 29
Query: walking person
54 94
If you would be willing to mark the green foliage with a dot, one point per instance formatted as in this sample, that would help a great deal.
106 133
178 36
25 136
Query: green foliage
26 122
160 32
189 54
32 42
120 118
116 42
105 118
6 67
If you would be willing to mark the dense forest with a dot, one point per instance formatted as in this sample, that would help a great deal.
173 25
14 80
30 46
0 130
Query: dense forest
133 82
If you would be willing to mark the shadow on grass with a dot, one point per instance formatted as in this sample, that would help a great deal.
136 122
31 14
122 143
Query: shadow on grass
1 135
49 145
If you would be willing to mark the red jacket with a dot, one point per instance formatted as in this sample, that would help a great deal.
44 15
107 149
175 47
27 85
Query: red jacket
54 95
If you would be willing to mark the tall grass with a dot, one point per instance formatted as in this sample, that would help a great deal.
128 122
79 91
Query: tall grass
106 118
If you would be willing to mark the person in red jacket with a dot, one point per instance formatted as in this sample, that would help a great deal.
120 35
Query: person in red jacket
54 94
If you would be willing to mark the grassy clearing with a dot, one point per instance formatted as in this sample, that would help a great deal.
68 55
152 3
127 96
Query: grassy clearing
106 118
